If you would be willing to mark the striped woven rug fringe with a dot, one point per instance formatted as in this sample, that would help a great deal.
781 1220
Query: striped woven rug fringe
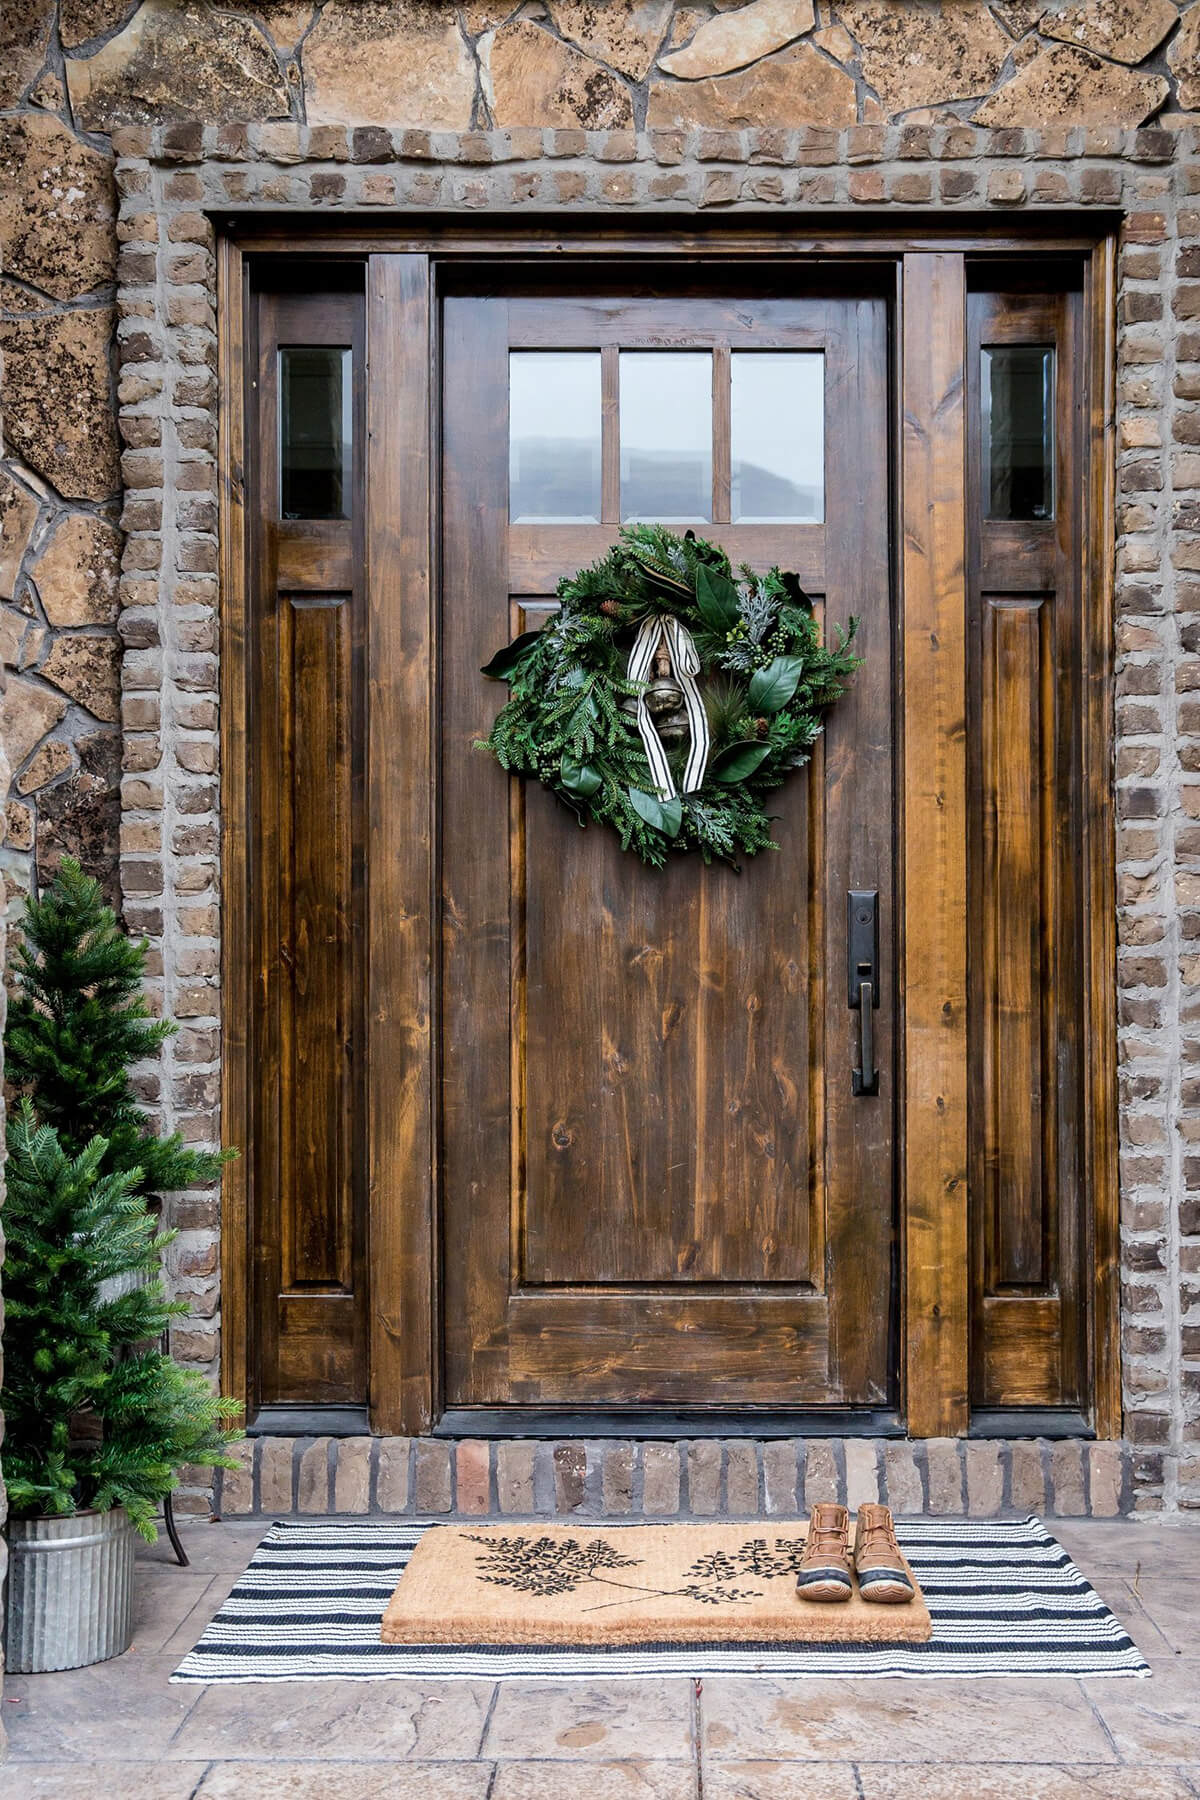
1005 1599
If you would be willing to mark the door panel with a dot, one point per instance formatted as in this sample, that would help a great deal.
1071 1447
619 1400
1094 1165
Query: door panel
1025 828
657 1188
674 1096
305 776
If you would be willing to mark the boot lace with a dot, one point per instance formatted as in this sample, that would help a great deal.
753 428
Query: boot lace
826 1539
878 1533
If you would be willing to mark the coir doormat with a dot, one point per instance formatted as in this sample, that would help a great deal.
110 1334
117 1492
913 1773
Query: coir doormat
1003 1595
664 1584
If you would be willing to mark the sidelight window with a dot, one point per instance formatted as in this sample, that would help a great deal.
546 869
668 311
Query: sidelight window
1017 394
316 404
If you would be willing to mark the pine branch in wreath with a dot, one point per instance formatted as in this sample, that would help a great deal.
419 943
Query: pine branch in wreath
766 682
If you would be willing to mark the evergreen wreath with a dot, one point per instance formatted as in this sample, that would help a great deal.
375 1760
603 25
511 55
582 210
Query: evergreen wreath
686 760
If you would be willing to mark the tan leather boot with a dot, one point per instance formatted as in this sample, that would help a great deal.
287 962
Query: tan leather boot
825 1569
877 1559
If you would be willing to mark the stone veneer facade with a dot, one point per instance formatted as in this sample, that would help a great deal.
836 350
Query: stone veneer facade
108 549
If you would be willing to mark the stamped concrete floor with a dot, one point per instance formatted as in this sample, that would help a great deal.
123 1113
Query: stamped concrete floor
121 1732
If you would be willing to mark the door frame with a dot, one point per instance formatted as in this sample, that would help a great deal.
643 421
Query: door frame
930 577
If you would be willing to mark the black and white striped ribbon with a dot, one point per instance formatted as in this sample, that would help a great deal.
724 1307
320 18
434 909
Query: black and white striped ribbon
685 665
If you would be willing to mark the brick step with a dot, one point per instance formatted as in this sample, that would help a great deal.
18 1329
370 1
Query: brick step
687 1478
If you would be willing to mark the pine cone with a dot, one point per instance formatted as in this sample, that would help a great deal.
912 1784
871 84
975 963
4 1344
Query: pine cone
761 727
611 609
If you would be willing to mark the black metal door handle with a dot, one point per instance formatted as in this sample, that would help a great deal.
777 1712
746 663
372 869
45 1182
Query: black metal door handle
862 982
865 1078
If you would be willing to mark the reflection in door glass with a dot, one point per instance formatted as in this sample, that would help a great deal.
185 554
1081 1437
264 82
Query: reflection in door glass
554 437
315 424
778 427
666 436
1018 431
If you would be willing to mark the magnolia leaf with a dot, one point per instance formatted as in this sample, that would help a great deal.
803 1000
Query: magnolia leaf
579 777
794 592
506 661
716 599
739 761
664 815
771 688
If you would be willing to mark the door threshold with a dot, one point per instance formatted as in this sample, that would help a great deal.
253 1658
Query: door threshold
309 1421
1055 1422
711 1422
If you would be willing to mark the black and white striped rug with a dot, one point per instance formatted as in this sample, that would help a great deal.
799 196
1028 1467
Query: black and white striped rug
1005 1598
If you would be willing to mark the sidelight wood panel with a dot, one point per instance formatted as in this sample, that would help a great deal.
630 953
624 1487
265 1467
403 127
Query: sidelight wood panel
1017 898
318 1022
935 779
1026 830
306 864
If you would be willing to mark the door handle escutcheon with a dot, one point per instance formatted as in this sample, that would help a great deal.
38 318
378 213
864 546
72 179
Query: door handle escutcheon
862 982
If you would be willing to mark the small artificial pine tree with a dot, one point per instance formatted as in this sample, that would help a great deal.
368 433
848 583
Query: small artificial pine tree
77 1023
76 1358
95 1418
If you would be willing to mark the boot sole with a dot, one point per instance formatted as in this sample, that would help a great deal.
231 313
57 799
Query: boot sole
886 1593
824 1590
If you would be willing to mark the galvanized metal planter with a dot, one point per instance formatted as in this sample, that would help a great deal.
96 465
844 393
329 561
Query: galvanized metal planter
70 1590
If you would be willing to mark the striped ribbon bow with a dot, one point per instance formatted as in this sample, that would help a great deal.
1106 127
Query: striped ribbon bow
685 664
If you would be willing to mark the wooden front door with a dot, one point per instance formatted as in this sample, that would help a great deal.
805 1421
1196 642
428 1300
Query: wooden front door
527 1125
658 1187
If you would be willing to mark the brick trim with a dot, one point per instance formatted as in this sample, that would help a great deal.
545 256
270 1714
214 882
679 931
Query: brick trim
174 180
684 1478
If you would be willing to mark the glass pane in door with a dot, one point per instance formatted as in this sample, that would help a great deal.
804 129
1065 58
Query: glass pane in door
1018 431
777 461
554 437
315 417
666 436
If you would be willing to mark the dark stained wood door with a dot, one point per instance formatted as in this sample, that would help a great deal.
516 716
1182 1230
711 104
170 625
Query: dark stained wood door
657 1187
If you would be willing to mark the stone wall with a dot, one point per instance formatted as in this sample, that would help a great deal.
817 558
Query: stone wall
107 488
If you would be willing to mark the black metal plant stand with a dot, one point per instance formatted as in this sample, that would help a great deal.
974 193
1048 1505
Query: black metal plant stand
169 1521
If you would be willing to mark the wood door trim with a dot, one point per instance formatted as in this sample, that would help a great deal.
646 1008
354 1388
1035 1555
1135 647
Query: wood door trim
532 238
400 764
540 554
404 1356
933 468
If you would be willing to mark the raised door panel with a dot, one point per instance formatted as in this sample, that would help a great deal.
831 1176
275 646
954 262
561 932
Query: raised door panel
672 1062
